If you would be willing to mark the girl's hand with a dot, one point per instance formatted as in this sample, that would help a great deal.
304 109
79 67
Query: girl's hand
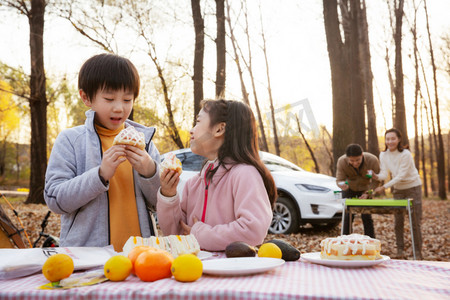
112 158
169 180
141 161
186 229
374 176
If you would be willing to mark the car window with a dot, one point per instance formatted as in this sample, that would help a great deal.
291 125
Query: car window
279 165
191 161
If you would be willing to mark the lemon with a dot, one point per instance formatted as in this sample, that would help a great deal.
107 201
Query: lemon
118 268
187 268
57 267
270 250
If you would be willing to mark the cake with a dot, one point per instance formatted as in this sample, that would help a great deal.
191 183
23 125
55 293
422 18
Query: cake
171 162
350 247
130 136
175 244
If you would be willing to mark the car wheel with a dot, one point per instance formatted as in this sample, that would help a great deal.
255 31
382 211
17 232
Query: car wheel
286 218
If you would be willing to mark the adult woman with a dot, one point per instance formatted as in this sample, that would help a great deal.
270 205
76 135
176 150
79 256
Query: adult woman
405 181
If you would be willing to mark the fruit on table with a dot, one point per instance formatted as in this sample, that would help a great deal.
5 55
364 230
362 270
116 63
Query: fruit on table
240 249
187 268
152 265
57 267
134 253
289 252
270 250
117 268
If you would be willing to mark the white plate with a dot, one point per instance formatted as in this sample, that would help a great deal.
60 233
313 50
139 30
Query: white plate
204 255
240 265
314 257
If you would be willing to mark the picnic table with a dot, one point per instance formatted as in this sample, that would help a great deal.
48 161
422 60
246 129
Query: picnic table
392 279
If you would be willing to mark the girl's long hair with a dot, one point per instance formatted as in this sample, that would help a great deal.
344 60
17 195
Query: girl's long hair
400 145
241 138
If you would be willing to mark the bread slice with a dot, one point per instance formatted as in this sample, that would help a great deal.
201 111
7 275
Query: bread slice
175 244
130 136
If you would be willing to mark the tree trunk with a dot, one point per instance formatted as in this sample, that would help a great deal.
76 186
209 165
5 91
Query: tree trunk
220 49
17 162
249 65
330 155
269 90
372 136
199 28
440 146
3 158
422 143
448 160
38 104
400 113
391 85
430 152
339 79
173 129
236 56
432 133
416 90
311 152
356 92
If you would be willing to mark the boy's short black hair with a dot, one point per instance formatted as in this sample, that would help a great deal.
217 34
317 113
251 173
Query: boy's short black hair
108 71
354 150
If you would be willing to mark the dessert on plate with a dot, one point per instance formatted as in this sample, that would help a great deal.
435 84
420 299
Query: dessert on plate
350 247
130 136
175 244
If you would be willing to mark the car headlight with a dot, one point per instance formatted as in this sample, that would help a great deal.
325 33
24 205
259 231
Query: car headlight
312 188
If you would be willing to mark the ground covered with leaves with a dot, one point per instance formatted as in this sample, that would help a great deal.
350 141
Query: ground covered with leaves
435 230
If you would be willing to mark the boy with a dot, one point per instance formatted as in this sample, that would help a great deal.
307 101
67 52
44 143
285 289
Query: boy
103 192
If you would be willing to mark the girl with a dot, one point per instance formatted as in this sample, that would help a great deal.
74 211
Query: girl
232 197
406 183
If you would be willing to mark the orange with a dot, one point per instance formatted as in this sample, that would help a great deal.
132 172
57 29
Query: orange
152 265
134 253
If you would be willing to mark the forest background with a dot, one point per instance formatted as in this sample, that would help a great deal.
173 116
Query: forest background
353 67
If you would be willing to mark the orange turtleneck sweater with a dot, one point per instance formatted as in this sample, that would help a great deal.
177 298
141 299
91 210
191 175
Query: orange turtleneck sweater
123 215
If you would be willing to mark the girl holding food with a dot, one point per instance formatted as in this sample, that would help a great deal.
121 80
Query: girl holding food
231 198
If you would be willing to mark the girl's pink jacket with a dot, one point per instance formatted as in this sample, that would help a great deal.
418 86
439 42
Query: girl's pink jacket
238 208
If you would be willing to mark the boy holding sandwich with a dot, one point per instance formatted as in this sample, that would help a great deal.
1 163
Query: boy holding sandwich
103 189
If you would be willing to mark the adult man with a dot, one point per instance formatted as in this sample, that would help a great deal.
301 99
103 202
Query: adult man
354 177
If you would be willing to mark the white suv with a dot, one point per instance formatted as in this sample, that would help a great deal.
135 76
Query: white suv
303 197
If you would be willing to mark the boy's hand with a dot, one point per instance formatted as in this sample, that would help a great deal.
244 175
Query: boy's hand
141 161
112 158
169 181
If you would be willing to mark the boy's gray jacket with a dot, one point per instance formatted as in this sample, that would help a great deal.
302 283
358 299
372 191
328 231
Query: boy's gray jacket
73 187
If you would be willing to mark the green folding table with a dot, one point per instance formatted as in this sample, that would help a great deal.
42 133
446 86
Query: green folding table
378 206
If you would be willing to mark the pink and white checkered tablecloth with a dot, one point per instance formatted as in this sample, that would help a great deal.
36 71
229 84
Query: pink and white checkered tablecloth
394 279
